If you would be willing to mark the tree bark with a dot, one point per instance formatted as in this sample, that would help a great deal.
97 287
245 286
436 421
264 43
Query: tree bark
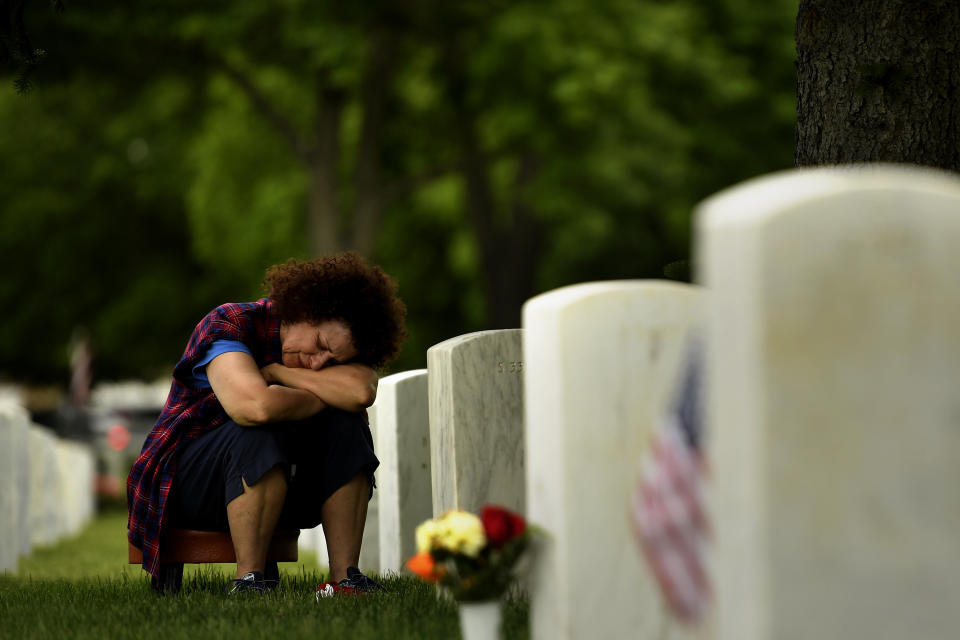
509 244
521 242
509 238
377 82
878 81
323 212
335 221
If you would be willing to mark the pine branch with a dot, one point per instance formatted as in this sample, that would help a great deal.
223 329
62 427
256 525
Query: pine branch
16 51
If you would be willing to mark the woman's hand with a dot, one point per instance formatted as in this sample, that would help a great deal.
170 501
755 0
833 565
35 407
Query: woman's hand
350 386
269 372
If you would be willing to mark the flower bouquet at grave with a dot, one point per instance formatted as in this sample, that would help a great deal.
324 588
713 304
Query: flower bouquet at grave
472 557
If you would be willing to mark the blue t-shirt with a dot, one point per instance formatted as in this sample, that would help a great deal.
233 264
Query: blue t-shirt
217 348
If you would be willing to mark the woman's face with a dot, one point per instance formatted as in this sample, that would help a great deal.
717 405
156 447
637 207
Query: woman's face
315 346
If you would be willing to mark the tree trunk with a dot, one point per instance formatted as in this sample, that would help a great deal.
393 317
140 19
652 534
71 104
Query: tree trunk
514 254
327 233
322 230
323 212
509 238
377 82
878 81
509 245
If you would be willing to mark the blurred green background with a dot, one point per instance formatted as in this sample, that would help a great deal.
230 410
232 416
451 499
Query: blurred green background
480 151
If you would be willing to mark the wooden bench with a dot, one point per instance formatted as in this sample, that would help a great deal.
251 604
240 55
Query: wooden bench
183 546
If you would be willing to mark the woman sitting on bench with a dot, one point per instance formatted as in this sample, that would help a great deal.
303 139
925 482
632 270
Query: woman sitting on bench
265 424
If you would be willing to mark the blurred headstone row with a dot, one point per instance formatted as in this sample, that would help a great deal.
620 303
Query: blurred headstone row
46 485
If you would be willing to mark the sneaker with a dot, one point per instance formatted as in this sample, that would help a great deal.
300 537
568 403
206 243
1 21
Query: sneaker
252 581
354 584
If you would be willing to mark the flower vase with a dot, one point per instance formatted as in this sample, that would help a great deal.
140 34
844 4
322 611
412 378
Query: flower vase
480 620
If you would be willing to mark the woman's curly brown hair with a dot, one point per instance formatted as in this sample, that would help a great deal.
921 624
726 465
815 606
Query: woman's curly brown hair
342 287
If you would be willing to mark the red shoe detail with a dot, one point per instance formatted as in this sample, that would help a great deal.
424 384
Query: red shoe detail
331 589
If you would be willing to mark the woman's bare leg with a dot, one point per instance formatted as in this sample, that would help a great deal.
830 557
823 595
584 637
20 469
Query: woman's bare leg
344 515
253 516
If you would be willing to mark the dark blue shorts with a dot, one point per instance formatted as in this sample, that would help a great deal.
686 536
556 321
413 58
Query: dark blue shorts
318 455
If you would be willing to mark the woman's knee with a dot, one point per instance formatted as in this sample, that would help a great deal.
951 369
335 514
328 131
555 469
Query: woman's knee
273 481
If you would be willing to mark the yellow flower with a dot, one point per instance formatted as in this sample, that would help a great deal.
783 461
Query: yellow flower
455 531
460 532
426 534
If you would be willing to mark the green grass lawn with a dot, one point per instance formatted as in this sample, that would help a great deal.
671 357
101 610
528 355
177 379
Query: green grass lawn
83 588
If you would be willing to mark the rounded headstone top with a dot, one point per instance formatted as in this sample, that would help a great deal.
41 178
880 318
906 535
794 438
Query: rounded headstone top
458 341
753 200
396 378
12 410
577 293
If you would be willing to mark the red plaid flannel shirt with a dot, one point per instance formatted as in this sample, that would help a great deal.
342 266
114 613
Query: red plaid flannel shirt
188 413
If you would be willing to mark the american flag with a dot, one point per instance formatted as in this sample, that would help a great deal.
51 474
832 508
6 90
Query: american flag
669 517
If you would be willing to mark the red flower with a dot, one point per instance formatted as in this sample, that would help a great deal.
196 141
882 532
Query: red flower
501 525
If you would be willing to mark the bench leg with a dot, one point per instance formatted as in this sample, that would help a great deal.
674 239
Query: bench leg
169 580
271 572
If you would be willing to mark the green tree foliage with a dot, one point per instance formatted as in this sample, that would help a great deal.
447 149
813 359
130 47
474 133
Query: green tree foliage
92 230
481 151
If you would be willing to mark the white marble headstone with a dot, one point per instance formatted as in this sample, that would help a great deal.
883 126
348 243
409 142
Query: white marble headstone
834 403
75 497
45 519
370 545
87 464
306 540
9 527
313 540
66 508
403 479
601 361
320 547
22 477
475 384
